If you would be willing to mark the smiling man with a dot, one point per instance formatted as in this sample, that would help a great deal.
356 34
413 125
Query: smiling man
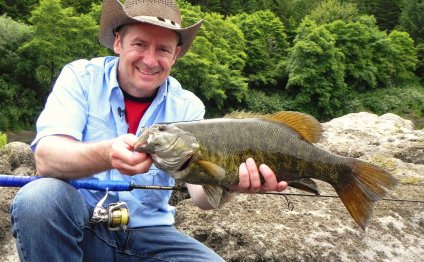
88 129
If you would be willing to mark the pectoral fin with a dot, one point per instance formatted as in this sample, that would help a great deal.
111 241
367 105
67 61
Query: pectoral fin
305 184
216 171
214 194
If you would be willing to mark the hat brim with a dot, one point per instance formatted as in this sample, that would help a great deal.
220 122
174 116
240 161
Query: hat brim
114 15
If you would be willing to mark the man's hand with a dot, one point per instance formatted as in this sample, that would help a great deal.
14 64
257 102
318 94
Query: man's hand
250 181
127 161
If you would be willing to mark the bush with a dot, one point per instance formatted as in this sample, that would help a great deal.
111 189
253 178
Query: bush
3 140
403 101
259 101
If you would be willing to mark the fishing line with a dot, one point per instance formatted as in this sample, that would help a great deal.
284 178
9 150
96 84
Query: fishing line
290 204
334 196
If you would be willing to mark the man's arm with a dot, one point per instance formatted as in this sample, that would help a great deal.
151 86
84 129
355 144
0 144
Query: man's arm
65 158
249 182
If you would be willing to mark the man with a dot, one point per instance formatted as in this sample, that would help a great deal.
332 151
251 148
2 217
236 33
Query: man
88 129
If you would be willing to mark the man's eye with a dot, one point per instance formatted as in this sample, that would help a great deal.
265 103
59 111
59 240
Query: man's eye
165 50
138 44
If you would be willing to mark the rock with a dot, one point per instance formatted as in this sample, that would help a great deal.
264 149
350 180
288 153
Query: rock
16 158
5 167
18 155
263 228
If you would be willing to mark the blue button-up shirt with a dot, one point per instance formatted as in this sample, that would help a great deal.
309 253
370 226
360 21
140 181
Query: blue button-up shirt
86 103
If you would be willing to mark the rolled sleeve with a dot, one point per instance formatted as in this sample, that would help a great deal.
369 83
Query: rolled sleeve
65 109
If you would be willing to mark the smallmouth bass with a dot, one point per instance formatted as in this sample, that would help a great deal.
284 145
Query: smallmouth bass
209 152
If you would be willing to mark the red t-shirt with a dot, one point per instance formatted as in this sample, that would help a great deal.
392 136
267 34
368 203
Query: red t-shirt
135 107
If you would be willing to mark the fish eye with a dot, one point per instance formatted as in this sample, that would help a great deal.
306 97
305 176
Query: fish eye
162 128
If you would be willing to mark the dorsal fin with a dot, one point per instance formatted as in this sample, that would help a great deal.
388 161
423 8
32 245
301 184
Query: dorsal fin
243 114
306 125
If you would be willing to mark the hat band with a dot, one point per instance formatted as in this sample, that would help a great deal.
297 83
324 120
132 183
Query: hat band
156 19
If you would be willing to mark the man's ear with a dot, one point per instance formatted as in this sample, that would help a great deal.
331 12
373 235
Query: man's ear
117 43
177 51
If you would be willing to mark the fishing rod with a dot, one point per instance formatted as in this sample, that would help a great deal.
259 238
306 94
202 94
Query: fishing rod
92 184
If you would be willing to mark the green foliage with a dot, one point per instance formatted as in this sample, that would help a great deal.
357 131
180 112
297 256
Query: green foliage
3 139
297 10
18 10
81 6
404 56
412 19
266 47
259 101
387 13
420 63
231 7
334 61
60 36
16 99
403 100
331 10
212 68
316 72
356 41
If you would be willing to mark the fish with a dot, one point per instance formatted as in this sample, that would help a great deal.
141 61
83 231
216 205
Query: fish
208 152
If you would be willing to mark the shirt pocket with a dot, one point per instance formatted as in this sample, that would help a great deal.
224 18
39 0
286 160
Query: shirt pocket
98 129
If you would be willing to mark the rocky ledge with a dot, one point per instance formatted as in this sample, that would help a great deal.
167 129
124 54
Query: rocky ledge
264 228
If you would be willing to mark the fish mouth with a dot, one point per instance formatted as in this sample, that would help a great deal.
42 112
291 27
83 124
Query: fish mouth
143 144
185 165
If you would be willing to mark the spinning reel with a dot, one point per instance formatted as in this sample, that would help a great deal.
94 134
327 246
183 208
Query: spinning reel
116 215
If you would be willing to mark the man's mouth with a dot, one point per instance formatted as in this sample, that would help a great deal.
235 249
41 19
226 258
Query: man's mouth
146 72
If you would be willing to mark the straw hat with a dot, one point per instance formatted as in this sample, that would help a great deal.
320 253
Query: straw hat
163 13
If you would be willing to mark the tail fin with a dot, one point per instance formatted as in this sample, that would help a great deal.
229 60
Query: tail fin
360 191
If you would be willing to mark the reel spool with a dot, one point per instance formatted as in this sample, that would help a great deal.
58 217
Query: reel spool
116 215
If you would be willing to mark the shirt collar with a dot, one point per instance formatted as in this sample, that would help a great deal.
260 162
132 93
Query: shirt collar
113 75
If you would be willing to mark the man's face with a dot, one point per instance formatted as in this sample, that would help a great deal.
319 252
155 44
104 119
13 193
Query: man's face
147 53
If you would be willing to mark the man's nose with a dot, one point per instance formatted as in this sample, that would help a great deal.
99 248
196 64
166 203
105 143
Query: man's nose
150 57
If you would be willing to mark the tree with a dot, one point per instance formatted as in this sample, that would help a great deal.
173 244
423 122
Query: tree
356 41
80 6
213 67
387 13
404 56
19 10
412 21
60 36
316 72
266 47
18 107
331 10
